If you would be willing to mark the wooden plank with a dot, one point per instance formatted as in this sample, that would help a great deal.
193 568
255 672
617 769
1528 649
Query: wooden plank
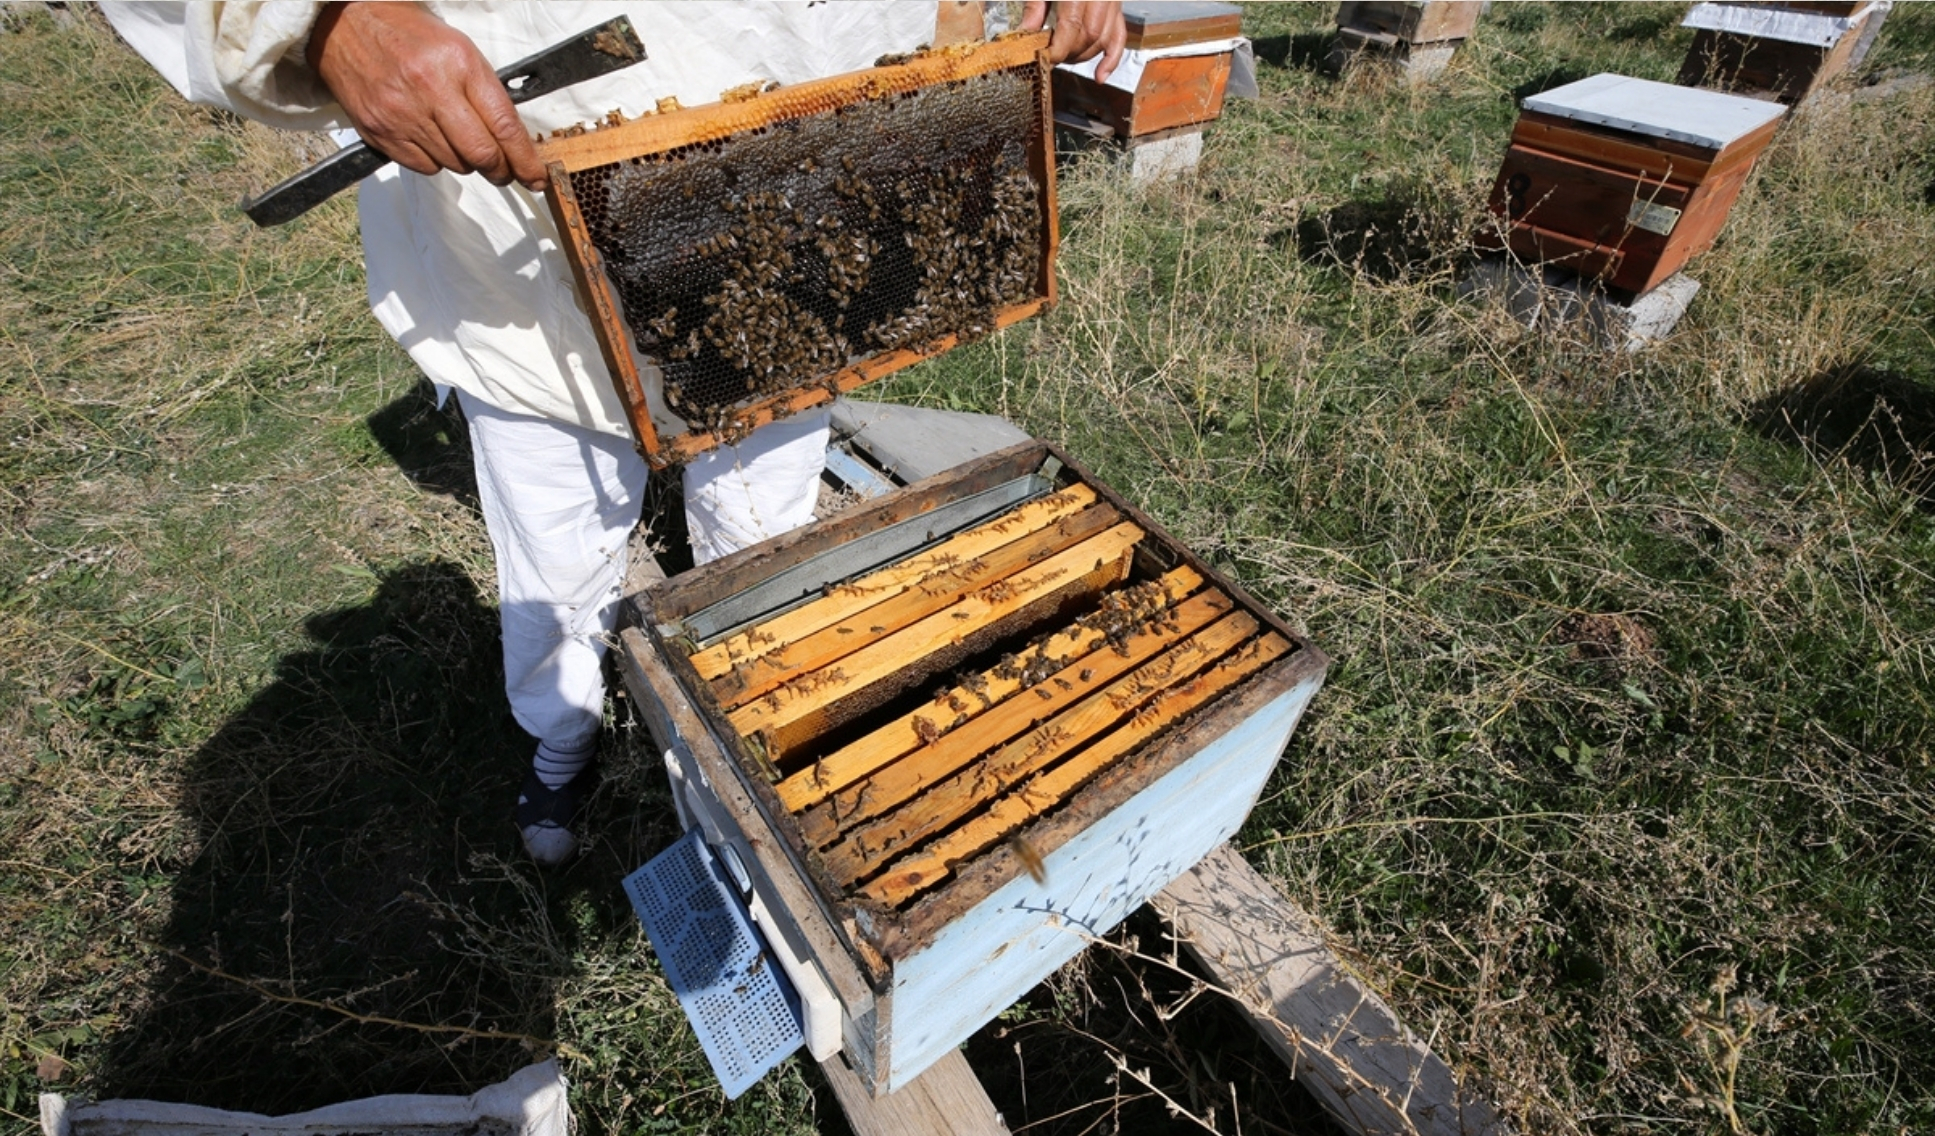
927 763
1164 23
816 691
824 648
867 847
930 865
656 133
1340 1039
614 337
1654 157
810 933
845 600
953 576
946 1100
954 708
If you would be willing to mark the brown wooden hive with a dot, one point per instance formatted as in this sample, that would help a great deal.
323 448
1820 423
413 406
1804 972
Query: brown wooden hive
746 260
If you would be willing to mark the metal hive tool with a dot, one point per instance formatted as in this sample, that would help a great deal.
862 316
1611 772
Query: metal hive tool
747 260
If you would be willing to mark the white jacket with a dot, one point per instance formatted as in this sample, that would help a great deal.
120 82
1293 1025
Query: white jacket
469 276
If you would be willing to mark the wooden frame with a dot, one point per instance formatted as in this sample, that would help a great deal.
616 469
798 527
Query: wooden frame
659 133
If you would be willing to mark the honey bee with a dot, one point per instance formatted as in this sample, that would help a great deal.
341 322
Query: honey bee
1030 858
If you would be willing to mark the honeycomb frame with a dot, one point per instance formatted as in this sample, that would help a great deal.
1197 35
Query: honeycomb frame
668 436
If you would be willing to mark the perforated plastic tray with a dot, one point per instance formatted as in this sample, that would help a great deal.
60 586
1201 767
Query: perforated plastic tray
746 1013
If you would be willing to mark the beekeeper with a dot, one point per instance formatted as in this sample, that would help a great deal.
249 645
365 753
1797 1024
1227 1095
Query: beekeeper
465 270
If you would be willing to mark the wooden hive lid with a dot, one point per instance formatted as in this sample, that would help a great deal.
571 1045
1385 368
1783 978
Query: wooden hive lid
1164 23
1658 110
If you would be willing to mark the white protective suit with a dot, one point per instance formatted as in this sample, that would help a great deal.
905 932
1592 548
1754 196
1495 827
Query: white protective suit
470 279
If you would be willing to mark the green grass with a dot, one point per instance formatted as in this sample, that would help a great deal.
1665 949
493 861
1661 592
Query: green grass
1628 731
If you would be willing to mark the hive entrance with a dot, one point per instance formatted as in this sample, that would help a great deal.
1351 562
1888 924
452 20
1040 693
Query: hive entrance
765 255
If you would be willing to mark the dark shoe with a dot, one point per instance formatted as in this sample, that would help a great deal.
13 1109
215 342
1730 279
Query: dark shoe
546 817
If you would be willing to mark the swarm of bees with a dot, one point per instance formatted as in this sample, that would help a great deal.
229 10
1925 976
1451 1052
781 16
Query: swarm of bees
773 260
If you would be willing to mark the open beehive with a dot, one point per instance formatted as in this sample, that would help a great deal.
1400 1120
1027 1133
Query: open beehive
962 728
746 260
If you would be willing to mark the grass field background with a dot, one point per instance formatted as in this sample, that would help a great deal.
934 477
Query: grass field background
1620 788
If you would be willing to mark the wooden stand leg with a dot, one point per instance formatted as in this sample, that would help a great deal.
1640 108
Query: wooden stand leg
947 1100
1339 1039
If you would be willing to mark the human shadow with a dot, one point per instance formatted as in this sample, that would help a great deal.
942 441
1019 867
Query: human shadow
429 443
1876 419
356 870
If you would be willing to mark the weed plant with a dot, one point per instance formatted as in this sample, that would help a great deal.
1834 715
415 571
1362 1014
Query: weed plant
1619 789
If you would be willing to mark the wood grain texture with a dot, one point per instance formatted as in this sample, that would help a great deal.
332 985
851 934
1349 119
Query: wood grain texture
1340 1039
810 931
614 337
1174 91
846 601
946 1100
1570 205
937 806
657 133
1093 676
928 866
1101 557
952 579
953 708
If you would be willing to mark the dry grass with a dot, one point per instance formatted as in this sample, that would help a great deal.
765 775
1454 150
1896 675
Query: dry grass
1619 789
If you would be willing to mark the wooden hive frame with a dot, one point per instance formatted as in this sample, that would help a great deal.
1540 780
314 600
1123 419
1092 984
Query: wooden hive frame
1028 718
659 134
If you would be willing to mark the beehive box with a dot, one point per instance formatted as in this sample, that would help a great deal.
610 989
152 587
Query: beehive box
1624 180
1418 23
746 260
1784 52
956 732
1174 91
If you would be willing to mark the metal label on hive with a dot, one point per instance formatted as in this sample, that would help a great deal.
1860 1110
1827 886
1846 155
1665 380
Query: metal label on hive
1653 218
746 1014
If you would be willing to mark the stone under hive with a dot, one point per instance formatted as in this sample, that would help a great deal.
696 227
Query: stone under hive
746 260
955 732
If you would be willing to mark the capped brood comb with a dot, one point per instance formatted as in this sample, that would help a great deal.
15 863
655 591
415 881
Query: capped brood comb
749 259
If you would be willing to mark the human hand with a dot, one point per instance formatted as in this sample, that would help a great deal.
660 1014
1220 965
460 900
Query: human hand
420 91
1082 31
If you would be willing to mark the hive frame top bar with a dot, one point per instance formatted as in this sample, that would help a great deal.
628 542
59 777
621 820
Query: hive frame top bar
658 132
1661 110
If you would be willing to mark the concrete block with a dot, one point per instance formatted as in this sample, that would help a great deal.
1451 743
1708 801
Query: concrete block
1415 63
1147 158
1556 300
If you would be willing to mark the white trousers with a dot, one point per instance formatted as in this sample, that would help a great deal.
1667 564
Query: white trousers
560 502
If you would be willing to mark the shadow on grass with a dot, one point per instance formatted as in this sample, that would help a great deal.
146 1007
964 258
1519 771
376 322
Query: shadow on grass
1051 1067
1308 51
1878 420
430 444
356 849
1557 77
1403 234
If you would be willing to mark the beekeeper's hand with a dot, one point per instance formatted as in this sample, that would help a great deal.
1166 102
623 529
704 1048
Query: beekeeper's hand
418 90
1083 31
